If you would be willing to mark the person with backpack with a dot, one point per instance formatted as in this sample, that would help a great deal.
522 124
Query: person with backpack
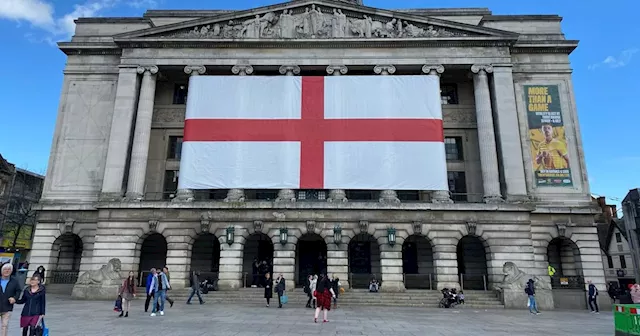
531 292
593 298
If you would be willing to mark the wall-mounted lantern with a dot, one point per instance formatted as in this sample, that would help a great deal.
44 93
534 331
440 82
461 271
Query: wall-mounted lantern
391 235
231 233
284 236
337 234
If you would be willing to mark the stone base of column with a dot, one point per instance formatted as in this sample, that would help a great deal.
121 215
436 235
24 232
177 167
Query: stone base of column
441 196
337 195
110 197
184 195
389 196
518 199
235 195
493 199
229 285
513 299
286 195
134 197
392 286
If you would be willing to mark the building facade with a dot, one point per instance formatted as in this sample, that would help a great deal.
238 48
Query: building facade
507 95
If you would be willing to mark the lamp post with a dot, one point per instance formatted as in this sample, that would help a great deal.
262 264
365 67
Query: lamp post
231 233
284 236
337 234
391 236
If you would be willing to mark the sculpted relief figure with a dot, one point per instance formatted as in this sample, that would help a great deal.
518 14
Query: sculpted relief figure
516 279
107 274
287 24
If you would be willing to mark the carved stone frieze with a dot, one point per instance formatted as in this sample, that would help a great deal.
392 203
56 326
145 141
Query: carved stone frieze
311 226
364 226
153 225
471 227
257 226
168 115
461 116
313 22
417 227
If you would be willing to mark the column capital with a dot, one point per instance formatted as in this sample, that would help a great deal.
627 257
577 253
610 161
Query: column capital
150 69
242 69
481 68
195 70
384 69
337 70
289 70
433 69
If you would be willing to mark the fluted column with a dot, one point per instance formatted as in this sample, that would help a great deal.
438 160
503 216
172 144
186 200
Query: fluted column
337 195
486 134
142 135
437 196
288 195
387 196
120 136
237 195
186 195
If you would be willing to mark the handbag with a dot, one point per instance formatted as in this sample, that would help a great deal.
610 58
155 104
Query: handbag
284 299
118 304
40 329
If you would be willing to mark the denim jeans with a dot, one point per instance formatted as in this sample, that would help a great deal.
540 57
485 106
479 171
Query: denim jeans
194 292
159 296
533 306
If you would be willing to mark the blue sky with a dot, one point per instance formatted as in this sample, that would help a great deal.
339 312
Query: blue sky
606 72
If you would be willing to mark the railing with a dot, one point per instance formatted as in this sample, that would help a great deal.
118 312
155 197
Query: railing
567 282
473 282
418 281
361 281
62 277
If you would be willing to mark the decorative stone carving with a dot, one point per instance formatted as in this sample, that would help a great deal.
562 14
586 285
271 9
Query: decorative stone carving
364 226
471 227
337 195
168 115
441 196
258 225
516 279
235 195
242 69
290 70
477 68
68 225
384 69
152 69
314 22
337 70
153 225
311 226
417 227
433 69
562 229
459 116
205 222
286 195
107 274
389 196
195 70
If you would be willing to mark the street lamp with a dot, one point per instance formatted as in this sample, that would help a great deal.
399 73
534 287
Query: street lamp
391 236
231 232
337 234
284 236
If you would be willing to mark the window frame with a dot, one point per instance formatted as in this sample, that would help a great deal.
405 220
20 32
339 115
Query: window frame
179 99
177 151
458 143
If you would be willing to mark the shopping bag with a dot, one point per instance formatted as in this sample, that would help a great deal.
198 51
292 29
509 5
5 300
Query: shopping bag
528 303
45 330
284 299
118 305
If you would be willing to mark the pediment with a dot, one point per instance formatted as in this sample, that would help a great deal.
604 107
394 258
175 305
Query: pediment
314 19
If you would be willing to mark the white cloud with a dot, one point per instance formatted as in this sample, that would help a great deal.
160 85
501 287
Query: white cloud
37 12
616 61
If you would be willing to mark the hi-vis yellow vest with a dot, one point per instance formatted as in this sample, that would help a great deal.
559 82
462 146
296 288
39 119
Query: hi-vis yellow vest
551 270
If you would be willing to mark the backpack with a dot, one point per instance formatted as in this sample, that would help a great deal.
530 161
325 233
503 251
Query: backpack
527 290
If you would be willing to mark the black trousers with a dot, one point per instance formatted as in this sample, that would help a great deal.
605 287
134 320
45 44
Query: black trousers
593 302
279 300
146 302
309 300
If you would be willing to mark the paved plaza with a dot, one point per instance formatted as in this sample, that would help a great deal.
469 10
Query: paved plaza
81 318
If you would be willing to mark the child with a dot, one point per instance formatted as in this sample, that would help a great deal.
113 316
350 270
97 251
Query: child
461 297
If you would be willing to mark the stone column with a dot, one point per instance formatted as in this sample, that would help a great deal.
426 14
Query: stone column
391 264
284 262
509 133
120 136
486 134
237 195
445 261
186 195
288 195
178 257
387 196
338 260
435 70
142 136
337 195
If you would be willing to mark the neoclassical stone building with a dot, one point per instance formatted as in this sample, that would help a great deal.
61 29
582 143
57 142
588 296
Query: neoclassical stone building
518 184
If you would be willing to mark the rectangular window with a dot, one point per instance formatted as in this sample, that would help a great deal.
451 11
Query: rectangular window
457 186
408 195
618 237
175 148
609 262
266 194
449 94
170 184
623 262
180 94
453 148
312 195
363 195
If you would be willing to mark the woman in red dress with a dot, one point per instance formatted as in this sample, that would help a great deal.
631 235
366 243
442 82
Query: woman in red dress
324 293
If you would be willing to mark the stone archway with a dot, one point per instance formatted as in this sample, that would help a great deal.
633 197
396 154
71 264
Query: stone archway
153 254
417 263
364 260
311 257
68 256
257 248
205 256
564 255
472 263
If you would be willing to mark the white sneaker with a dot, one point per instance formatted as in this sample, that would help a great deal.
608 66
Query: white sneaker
161 313
152 314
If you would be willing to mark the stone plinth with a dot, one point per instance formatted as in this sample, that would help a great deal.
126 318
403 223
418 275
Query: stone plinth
95 292
517 299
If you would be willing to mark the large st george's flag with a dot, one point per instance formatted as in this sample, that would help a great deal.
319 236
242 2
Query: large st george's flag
336 132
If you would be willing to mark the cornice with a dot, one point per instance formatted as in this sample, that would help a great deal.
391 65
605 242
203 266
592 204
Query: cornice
89 48
544 47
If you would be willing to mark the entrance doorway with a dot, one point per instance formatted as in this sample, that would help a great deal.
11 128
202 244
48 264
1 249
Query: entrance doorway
311 257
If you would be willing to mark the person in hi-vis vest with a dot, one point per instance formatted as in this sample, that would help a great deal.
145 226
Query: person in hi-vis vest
551 270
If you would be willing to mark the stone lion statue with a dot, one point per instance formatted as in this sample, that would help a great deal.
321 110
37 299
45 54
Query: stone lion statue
516 279
106 274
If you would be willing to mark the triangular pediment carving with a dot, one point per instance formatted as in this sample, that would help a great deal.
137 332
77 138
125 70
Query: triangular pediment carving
328 19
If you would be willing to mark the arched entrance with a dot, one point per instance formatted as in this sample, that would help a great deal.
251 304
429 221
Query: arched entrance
68 256
564 256
417 263
311 257
205 256
153 254
472 263
257 248
364 260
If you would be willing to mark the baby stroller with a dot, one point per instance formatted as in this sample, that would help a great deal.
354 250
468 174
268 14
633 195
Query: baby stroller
448 299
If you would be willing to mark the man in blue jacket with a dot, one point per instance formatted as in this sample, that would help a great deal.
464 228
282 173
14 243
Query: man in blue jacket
159 285
149 292
593 298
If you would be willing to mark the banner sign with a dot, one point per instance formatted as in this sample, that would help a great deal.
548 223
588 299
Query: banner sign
547 135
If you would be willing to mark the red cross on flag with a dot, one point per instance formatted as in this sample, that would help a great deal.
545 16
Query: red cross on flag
337 132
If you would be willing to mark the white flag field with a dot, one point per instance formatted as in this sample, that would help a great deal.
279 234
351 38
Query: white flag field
299 132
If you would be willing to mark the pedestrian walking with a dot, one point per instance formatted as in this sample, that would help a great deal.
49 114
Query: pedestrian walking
149 291
40 274
335 284
324 293
531 292
314 283
11 290
166 272
593 298
307 290
195 287
268 287
35 302
127 292
281 286
254 272
159 285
